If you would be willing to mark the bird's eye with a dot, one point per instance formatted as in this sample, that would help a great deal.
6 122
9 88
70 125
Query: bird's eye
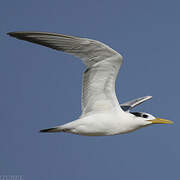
144 115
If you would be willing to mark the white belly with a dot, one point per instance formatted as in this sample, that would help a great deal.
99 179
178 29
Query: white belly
101 125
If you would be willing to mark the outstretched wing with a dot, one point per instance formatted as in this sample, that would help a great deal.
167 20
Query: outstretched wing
102 63
127 106
89 51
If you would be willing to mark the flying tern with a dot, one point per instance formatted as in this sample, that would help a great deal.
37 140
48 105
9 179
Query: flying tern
102 114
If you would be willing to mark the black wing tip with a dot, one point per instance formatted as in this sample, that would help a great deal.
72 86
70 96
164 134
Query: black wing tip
11 33
21 34
17 34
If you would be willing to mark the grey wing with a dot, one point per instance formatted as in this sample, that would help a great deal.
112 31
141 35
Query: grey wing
98 93
103 64
89 51
127 106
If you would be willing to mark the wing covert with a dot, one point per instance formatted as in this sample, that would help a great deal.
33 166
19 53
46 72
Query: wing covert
98 93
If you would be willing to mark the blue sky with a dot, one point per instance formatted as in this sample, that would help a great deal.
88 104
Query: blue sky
41 88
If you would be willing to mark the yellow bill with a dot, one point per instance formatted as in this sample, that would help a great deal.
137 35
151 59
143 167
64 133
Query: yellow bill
160 121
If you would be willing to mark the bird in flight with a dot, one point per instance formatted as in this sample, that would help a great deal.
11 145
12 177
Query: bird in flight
102 115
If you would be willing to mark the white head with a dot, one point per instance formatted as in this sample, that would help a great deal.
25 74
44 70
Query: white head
147 119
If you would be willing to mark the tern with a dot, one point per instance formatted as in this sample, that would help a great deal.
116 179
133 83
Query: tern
102 115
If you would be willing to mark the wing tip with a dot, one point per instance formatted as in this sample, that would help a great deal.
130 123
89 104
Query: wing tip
17 34
10 33
148 97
